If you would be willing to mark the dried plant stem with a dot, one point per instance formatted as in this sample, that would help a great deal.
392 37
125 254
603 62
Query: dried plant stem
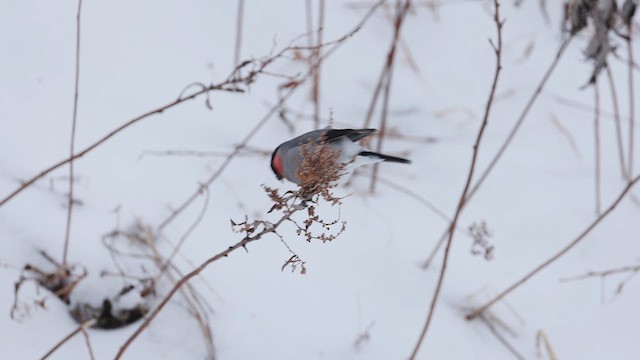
72 142
584 107
316 61
512 133
383 126
463 197
523 115
239 20
114 132
242 244
542 337
268 229
231 84
80 328
475 313
309 18
183 238
605 273
428 204
596 125
87 341
414 195
632 100
616 114
432 255
283 98
387 75
501 338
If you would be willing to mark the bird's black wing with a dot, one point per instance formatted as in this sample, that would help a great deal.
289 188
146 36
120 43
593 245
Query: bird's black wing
353 135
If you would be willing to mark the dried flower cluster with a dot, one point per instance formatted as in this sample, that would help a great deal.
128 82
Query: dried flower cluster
319 170
288 204
481 244
606 17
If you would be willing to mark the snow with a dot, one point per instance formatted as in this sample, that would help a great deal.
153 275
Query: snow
136 56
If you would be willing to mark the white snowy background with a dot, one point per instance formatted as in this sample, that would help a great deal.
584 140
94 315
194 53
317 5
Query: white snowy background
137 56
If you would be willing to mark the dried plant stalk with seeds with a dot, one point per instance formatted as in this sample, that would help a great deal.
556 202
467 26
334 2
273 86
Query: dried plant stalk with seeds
319 170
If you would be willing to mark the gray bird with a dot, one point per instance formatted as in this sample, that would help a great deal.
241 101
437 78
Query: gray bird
287 157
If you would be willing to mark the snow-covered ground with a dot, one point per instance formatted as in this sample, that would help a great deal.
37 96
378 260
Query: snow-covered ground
365 295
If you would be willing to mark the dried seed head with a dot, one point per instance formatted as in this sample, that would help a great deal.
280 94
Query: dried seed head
319 169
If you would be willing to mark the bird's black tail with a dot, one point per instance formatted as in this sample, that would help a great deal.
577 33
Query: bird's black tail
385 157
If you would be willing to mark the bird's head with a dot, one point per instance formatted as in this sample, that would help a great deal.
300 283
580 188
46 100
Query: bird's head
276 164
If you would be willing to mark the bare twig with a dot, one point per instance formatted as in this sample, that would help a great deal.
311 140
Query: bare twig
289 92
501 338
596 125
432 255
87 342
566 133
541 337
73 140
80 328
239 19
463 197
234 83
241 244
246 151
632 101
428 204
605 273
472 315
616 113
585 107
506 143
523 115
387 76
184 237
230 85
316 64
268 227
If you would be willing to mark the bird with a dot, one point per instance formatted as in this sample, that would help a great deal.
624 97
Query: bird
288 156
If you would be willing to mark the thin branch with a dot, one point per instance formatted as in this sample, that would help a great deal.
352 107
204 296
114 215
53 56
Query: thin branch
463 197
523 115
596 125
72 141
414 195
605 273
80 327
402 9
472 315
432 255
632 101
616 113
267 229
241 244
428 204
227 85
246 151
383 126
501 338
184 237
504 146
383 75
239 18
566 133
87 342
289 92
316 60
232 84
585 107
542 337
